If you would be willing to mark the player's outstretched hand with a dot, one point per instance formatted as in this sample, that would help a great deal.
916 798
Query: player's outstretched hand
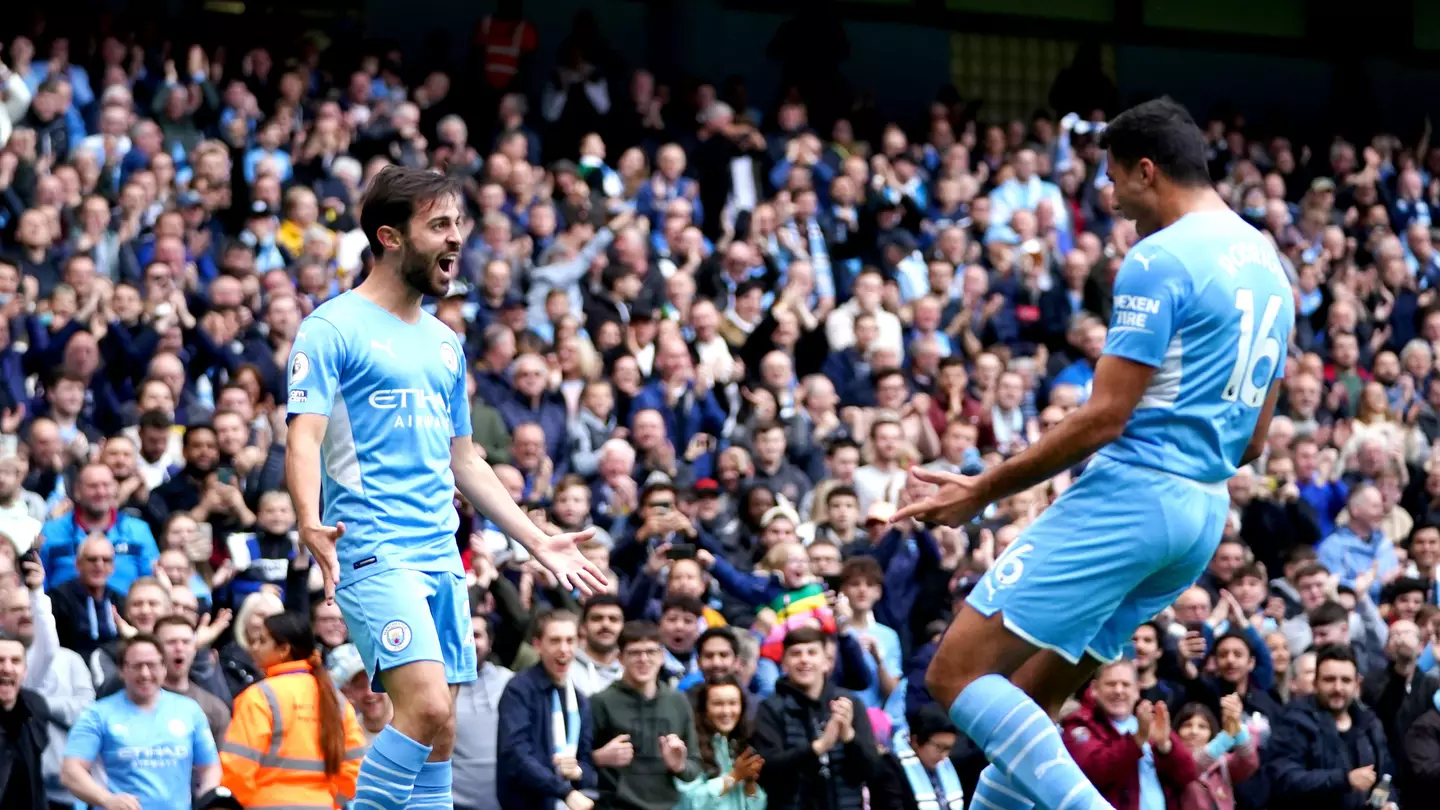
561 555
956 501
321 541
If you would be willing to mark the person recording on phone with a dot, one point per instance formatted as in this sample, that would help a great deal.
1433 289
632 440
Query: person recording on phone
684 398
202 488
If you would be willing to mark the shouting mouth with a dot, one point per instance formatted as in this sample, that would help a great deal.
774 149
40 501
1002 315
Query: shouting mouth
448 262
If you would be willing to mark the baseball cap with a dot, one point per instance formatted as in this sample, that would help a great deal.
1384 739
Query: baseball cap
512 302
564 167
1323 184
345 663
707 487
881 511
188 199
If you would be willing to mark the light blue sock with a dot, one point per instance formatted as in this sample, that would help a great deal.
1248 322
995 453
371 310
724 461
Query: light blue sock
1021 739
432 786
995 792
387 776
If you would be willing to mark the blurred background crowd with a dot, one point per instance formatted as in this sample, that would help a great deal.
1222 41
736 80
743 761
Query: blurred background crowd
719 329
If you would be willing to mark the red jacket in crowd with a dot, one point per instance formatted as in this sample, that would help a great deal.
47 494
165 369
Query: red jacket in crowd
1111 760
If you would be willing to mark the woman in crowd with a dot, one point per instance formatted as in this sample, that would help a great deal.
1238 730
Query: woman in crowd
236 658
731 767
316 759
1224 756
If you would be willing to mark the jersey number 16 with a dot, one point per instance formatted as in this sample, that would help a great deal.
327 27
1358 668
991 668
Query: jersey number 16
1241 384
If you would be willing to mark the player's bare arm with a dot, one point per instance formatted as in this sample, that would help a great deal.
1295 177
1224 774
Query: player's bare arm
561 554
1118 386
1256 447
302 473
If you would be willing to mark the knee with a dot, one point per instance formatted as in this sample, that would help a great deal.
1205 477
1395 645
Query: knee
433 714
945 683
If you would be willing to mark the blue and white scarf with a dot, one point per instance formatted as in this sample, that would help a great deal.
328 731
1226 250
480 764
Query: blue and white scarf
922 786
565 724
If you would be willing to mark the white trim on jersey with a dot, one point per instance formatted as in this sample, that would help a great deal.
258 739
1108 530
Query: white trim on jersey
342 461
1164 386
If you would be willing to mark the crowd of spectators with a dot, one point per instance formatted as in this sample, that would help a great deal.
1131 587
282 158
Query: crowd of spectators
720 335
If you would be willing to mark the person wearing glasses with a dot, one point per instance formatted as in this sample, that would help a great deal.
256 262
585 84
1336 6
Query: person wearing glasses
644 731
85 606
155 745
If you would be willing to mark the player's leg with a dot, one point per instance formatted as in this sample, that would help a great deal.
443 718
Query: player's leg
450 607
394 632
1050 680
1053 589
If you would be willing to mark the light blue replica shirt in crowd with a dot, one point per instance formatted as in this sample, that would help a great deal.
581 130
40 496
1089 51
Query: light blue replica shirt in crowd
1208 305
150 754
395 394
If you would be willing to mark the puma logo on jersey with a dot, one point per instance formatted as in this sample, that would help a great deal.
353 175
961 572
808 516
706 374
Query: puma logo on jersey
1145 261
384 347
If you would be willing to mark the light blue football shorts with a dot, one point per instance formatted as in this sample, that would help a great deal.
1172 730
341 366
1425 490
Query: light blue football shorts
1113 551
400 616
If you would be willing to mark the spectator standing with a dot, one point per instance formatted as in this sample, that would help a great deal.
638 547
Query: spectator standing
1224 753
24 717
642 723
476 727
815 739
729 767
86 606
154 744
547 727
1327 750
1126 746
177 640
133 545
597 658
292 741
918 773
1361 546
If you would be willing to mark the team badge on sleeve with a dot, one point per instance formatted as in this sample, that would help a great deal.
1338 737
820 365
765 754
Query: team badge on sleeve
449 358
299 368
395 636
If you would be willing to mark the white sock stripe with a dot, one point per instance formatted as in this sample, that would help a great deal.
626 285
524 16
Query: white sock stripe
989 782
995 754
370 763
389 791
359 802
372 782
1034 741
1075 791
978 799
1009 715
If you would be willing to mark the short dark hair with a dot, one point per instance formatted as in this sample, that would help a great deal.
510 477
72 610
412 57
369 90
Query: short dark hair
1300 554
928 721
1335 652
689 604
1310 570
836 445
173 620
1234 635
804 635
1329 612
863 568
198 427
1254 570
395 194
156 419
1161 131
122 653
600 600
658 486
637 631
725 634
544 620
766 427
842 491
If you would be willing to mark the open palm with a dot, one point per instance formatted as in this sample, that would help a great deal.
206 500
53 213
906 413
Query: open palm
560 554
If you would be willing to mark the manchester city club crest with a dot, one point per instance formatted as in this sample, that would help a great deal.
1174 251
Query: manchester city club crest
395 636
449 358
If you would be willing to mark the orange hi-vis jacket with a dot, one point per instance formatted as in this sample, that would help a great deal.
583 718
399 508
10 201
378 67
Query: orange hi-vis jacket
272 757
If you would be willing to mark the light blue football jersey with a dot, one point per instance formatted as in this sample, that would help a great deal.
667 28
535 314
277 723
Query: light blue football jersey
149 754
1208 305
395 394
